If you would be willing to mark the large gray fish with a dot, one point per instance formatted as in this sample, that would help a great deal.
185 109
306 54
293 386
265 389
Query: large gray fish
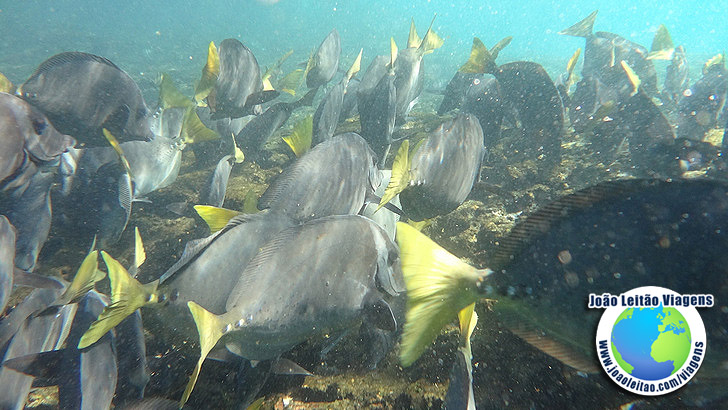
338 271
260 128
438 176
326 117
703 103
528 88
677 76
239 87
29 141
376 102
82 93
205 273
641 229
86 378
409 70
604 51
335 177
7 260
324 63
31 335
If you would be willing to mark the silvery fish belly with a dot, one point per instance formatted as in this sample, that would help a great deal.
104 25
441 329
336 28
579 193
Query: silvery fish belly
325 275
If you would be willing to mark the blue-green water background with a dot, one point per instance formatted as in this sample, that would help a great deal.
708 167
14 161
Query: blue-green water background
148 37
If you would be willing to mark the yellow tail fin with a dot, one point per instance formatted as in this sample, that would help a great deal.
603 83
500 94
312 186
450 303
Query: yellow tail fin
478 56
170 96
86 276
439 285
127 295
209 73
432 41
210 328
662 46
300 138
393 50
583 28
413 40
216 218
400 174
193 130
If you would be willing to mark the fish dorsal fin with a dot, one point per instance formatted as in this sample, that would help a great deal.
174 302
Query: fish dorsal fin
551 343
170 96
72 57
499 46
634 79
355 67
209 73
431 41
478 56
662 46
538 223
584 28
413 40
301 135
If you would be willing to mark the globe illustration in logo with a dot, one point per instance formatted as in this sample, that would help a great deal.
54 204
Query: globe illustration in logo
651 343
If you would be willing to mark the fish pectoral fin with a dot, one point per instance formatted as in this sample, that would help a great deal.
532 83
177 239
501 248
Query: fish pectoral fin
288 367
210 329
379 313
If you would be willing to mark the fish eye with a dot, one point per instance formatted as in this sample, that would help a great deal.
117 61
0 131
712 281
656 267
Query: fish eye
39 125
141 112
